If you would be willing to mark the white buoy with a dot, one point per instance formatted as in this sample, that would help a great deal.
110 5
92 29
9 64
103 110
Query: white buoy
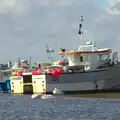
35 95
42 96
47 97
57 91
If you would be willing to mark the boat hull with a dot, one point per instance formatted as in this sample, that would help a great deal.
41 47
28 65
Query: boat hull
93 81
106 80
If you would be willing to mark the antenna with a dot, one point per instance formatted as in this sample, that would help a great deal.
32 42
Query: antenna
48 51
30 61
80 30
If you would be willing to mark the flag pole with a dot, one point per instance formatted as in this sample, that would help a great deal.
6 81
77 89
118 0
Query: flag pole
81 31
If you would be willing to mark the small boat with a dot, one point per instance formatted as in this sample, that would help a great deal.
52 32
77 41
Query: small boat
57 92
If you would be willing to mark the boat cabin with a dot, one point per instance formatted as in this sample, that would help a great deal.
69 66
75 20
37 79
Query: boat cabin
88 57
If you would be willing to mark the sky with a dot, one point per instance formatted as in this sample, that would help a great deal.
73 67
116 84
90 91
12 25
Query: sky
27 25
101 2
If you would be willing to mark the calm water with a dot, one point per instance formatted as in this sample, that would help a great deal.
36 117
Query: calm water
22 107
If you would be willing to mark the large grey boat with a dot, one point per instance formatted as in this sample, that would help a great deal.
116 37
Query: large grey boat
88 69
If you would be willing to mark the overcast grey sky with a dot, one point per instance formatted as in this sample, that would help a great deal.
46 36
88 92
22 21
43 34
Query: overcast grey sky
27 25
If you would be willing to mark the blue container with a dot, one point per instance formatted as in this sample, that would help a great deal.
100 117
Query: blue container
2 86
8 86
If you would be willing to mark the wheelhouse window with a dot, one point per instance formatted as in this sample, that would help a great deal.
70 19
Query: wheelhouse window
81 58
103 57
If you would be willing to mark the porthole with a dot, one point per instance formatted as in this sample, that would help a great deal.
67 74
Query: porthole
81 58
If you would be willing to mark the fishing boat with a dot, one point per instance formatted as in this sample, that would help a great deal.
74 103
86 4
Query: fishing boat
88 69
5 73
27 79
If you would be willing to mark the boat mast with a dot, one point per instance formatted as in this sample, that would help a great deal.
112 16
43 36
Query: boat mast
80 30
30 61
49 51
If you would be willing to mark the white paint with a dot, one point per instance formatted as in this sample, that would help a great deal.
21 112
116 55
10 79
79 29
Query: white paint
27 73
90 60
